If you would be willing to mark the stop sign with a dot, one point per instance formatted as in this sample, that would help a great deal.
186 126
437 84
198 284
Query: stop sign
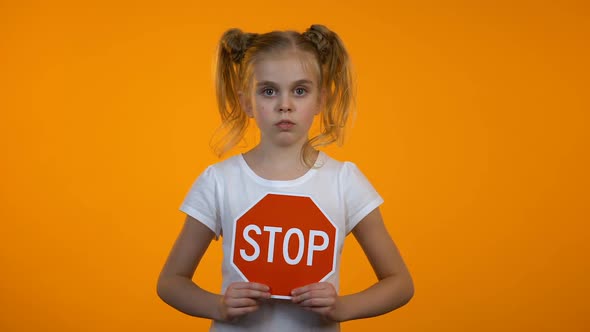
284 241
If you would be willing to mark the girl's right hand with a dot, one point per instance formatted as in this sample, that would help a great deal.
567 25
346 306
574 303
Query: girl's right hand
241 298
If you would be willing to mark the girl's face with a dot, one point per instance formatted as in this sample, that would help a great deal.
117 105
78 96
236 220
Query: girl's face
285 97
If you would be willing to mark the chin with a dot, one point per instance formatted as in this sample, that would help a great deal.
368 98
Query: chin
284 144
288 142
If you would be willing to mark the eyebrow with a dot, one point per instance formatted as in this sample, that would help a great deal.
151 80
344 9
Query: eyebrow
298 82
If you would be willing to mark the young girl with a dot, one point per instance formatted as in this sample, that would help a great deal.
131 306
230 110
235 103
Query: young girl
282 80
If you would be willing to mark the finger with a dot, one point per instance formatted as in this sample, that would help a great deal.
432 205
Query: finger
320 310
307 288
248 289
236 312
240 302
318 302
250 285
249 293
312 287
321 293
258 286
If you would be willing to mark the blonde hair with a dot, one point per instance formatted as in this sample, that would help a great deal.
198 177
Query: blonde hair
238 51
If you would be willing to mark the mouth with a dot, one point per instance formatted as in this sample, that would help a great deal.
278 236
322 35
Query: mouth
285 124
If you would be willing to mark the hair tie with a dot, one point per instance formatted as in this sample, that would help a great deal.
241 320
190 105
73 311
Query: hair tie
237 43
318 35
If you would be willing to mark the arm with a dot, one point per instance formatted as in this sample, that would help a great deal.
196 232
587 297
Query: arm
176 288
175 285
393 289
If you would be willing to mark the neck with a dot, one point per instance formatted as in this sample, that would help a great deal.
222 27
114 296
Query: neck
280 156
277 163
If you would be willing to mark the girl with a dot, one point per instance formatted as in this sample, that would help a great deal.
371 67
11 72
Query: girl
282 80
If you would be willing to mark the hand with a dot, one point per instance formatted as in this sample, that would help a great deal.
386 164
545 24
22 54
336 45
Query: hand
241 298
319 297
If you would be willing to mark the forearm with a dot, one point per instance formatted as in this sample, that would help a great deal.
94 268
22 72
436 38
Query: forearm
184 295
386 295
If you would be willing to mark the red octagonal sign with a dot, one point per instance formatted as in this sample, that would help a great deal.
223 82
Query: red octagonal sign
285 242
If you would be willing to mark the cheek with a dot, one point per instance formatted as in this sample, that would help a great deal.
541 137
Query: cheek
315 107
318 107
264 107
259 106
263 111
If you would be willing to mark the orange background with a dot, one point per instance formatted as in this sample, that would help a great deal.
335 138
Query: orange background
472 124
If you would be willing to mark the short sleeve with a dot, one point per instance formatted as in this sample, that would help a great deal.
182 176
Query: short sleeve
360 197
201 201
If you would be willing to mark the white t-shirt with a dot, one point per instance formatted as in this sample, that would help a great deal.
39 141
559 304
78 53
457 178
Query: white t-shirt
224 191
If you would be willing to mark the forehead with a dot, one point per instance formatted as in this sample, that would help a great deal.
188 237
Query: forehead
286 67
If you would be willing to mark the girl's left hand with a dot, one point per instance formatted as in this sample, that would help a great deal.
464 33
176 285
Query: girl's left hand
320 297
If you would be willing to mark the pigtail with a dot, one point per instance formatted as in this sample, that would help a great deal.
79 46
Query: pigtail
337 84
234 120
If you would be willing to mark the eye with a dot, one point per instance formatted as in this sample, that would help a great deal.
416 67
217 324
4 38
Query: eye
300 91
268 92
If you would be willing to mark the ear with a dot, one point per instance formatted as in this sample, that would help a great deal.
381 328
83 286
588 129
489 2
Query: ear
245 103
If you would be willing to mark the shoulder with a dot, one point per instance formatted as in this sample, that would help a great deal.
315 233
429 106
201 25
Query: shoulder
348 174
342 168
214 174
227 164
222 167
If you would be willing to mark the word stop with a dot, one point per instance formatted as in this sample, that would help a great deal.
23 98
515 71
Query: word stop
272 231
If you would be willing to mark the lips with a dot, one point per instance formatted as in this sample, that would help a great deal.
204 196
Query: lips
285 124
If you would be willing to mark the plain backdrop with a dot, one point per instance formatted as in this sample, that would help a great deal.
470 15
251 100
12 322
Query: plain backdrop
472 124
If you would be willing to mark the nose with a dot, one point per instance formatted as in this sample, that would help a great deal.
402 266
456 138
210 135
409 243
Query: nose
285 104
